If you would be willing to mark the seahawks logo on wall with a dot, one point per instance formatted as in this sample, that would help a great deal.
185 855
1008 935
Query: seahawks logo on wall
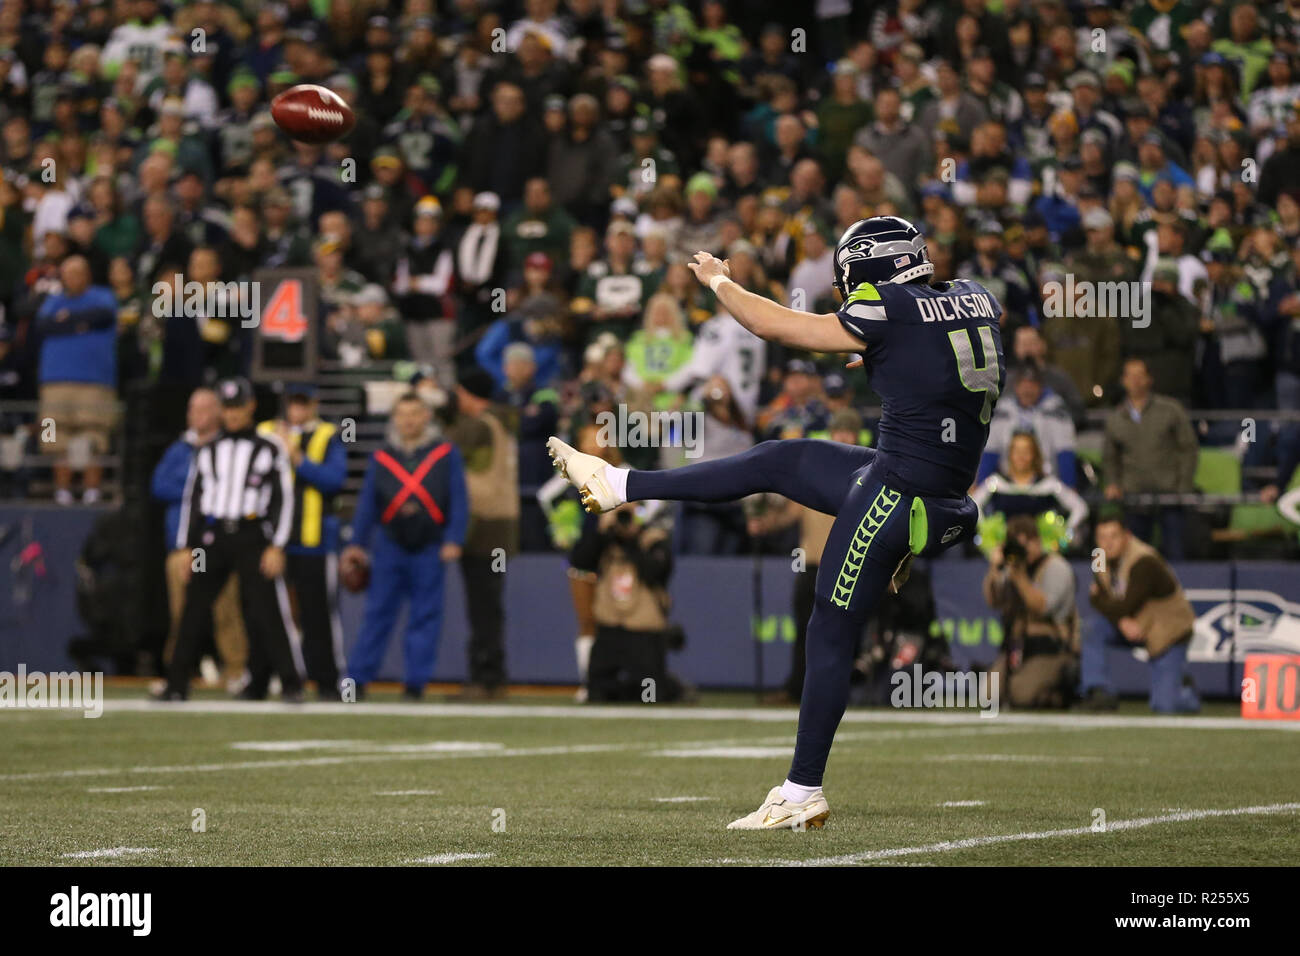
1256 622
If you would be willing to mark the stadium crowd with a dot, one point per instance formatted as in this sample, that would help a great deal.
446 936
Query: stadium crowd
526 180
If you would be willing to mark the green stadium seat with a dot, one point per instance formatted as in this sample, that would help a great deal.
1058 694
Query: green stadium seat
1218 472
1249 518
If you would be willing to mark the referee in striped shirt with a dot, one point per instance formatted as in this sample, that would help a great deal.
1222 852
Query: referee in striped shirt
236 517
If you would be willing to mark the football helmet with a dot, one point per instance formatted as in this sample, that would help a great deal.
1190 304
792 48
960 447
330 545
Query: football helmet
880 249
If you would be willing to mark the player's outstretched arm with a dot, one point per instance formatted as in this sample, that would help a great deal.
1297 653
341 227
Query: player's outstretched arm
769 320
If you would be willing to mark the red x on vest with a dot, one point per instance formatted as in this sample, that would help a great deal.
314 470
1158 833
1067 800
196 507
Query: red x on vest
411 483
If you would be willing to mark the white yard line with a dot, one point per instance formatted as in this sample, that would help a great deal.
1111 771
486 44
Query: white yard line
407 793
366 746
681 799
1114 826
379 752
440 858
1015 758
121 789
351 758
739 753
962 803
113 853
670 712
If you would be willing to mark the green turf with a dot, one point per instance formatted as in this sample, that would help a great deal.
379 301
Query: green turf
561 804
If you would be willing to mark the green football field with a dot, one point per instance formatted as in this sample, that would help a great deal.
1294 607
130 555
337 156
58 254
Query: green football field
543 781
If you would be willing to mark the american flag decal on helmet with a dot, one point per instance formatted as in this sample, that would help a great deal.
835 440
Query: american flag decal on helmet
901 261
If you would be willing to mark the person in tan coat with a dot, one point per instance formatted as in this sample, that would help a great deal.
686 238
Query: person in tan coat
484 431
1139 602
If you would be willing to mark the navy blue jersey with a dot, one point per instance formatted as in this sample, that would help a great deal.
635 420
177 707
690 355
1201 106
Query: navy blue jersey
934 355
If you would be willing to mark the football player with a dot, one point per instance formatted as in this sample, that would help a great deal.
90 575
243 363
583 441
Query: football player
934 354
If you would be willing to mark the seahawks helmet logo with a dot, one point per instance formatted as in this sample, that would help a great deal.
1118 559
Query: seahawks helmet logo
895 249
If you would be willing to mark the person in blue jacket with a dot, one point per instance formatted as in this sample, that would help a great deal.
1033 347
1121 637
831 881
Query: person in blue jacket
78 374
415 493
320 467
203 421
534 331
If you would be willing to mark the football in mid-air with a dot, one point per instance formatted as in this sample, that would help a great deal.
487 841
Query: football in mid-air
312 114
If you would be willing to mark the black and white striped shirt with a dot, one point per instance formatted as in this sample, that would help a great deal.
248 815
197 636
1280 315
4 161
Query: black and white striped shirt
240 476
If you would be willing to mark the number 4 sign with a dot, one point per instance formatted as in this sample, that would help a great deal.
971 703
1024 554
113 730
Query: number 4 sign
283 316
284 341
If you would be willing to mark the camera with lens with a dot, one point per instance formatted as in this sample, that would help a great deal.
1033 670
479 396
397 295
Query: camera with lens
1014 551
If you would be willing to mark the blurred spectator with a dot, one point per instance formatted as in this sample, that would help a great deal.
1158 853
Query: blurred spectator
505 147
485 436
810 279
953 109
725 348
481 263
536 324
992 268
424 278
1032 409
661 347
1286 296
840 115
580 161
612 292
799 408
364 328
699 228
1032 589
1233 344
538 413
1166 343
1139 601
1085 348
1150 449
78 378
631 558
377 236
714 528
538 226
1028 347
1022 486
1281 171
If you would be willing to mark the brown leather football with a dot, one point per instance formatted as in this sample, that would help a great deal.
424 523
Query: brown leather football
355 575
312 114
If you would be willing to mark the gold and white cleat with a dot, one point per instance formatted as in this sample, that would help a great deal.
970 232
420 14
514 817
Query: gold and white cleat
778 813
586 473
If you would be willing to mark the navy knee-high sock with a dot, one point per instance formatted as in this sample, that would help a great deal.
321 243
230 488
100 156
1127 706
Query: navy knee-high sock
832 638
811 472
723 479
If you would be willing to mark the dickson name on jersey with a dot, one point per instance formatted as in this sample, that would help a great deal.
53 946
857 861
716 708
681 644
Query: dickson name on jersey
934 356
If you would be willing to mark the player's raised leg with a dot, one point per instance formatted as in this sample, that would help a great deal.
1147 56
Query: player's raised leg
812 472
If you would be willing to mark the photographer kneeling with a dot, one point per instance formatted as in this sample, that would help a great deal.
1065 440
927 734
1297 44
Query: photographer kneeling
630 560
1033 589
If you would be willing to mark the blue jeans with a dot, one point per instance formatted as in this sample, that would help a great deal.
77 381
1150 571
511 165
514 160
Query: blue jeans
1168 695
1288 439
1142 522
